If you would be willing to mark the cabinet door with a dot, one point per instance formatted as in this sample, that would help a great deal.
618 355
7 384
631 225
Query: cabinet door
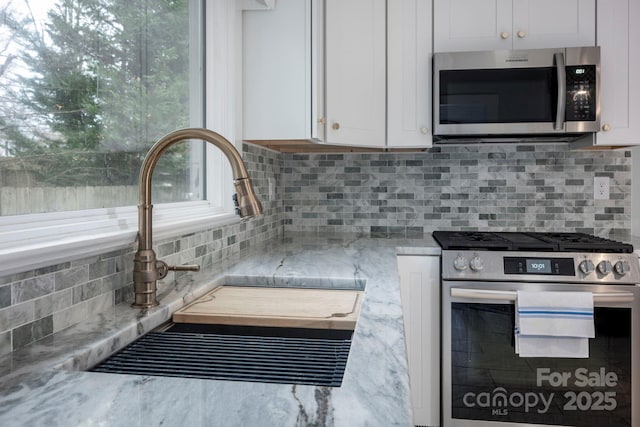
409 73
462 25
619 39
280 88
355 72
539 24
420 294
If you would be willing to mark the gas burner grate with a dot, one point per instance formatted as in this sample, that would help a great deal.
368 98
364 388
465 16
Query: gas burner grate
581 242
528 241
471 239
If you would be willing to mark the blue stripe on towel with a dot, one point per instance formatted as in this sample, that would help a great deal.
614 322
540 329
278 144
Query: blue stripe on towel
556 316
548 307
566 313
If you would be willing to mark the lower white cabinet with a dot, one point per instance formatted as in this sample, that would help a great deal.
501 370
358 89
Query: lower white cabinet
420 294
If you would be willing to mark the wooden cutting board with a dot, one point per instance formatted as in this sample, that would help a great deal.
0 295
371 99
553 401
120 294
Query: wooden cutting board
281 307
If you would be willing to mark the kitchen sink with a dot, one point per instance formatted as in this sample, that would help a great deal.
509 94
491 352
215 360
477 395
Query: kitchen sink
256 334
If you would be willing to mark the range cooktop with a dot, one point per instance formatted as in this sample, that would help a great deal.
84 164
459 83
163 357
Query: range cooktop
528 241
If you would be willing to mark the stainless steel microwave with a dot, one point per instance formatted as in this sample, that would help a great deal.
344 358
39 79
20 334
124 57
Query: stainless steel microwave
540 94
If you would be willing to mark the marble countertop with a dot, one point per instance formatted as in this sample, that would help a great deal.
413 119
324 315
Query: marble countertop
44 384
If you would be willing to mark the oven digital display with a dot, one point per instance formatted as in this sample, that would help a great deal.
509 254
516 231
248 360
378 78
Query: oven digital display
550 266
538 265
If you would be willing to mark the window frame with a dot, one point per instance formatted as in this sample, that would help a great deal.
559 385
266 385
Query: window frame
32 241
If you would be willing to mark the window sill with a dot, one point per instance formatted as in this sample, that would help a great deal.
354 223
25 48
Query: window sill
34 241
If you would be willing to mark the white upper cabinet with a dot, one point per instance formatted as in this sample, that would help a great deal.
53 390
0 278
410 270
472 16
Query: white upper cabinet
343 72
619 40
355 67
378 72
464 25
280 72
409 53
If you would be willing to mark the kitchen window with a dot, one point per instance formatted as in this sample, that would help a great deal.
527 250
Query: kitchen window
87 86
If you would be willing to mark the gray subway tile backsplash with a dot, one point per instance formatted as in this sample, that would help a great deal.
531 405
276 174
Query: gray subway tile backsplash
53 303
32 288
16 315
476 187
5 296
5 342
542 187
72 276
32 331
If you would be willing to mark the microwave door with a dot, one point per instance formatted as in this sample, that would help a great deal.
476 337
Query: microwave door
499 101
539 94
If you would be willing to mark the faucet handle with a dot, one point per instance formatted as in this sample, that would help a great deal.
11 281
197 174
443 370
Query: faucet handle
187 267
163 268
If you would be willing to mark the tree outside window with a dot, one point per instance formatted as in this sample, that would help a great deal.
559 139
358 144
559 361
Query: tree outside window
86 87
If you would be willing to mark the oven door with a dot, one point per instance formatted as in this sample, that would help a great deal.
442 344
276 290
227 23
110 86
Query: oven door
485 383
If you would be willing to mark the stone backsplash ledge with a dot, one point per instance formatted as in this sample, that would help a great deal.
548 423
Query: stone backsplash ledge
505 187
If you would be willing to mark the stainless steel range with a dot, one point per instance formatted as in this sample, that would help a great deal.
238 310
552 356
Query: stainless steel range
485 382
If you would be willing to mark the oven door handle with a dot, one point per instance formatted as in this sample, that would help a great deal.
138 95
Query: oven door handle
488 294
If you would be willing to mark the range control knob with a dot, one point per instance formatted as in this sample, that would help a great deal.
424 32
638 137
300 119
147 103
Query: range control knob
476 263
622 267
587 266
605 267
460 263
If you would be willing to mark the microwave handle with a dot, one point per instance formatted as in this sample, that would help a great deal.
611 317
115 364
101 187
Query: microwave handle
562 90
486 294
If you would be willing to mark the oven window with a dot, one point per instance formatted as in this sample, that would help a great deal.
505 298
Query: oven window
520 95
490 382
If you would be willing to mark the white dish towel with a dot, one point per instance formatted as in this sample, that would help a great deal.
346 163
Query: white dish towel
554 324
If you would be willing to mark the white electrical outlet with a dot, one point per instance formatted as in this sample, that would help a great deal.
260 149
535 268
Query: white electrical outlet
601 188
272 189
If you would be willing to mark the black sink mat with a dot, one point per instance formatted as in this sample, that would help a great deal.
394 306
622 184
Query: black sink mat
220 352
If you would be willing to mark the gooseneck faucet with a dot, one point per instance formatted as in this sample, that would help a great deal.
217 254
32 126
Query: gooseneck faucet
147 269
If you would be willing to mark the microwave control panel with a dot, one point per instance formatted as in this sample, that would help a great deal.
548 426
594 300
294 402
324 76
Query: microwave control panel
581 93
